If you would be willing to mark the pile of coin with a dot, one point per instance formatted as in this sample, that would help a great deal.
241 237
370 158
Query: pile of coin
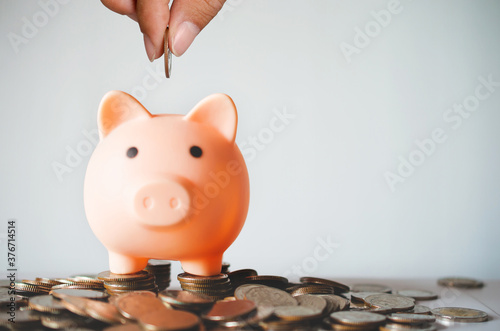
215 287
161 270
119 284
113 302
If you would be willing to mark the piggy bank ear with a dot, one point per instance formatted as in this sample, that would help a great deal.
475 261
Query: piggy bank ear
116 108
219 111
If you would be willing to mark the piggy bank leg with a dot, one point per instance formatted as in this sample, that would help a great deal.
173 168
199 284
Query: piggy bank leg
206 266
123 264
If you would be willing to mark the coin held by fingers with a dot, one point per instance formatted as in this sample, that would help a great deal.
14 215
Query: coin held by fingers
167 55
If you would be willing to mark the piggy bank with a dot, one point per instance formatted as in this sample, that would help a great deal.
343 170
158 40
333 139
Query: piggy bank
166 186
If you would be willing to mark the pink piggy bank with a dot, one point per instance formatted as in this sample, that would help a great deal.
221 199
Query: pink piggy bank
166 186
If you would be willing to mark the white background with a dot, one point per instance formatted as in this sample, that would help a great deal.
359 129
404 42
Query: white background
321 178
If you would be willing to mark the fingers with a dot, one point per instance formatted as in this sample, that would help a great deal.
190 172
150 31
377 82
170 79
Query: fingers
124 7
153 16
187 19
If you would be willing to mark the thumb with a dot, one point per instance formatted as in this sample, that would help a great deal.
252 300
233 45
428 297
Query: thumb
187 19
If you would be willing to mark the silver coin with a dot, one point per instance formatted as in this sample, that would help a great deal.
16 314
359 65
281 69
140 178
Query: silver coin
361 296
357 318
390 301
314 302
418 294
338 303
418 309
167 56
295 313
377 288
411 318
242 290
403 327
458 314
270 296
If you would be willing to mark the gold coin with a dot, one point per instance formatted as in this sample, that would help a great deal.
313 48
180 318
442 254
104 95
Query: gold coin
75 305
108 276
124 327
189 278
104 312
169 319
133 306
459 314
230 310
460 282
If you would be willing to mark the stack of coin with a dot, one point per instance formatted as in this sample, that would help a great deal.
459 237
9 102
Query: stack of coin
31 287
215 287
118 284
161 270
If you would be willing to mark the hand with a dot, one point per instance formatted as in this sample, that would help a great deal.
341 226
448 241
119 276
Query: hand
185 19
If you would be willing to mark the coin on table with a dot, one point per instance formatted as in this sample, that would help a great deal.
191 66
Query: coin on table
270 296
370 288
311 289
242 273
418 309
75 305
230 310
167 55
460 282
46 303
361 296
337 303
186 300
263 313
104 312
390 301
134 306
458 314
82 293
314 302
296 313
411 318
403 327
242 290
108 276
125 327
63 321
357 318
418 294
267 280
169 319
339 287
24 319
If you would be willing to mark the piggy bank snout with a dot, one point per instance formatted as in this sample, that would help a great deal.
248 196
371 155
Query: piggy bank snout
163 203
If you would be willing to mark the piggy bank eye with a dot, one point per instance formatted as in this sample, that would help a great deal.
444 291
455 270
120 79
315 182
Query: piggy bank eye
195 151
132 152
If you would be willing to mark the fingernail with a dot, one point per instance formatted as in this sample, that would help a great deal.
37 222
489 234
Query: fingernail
186 32
150 48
